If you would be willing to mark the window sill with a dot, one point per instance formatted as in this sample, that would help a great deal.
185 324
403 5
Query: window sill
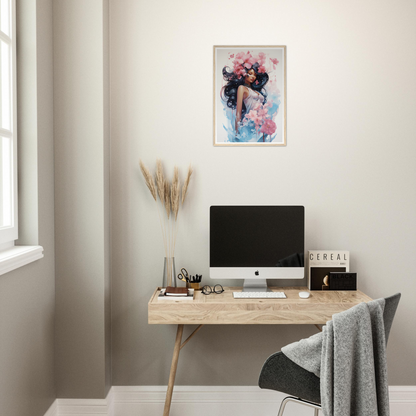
18 256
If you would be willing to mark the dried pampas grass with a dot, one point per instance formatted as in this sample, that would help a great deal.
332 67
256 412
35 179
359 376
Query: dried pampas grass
174 193
148 179
186 183
166 197
160 180
170 198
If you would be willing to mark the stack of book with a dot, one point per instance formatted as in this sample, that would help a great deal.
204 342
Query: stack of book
176 293
322 263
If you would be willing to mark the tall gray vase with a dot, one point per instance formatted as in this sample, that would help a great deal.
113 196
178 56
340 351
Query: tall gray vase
169 272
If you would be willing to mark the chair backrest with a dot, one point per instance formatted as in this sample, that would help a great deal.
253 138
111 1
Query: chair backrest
389 312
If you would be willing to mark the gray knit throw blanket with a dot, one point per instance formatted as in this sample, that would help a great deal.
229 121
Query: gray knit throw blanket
349 356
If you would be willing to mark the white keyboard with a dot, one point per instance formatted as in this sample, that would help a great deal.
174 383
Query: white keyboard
259 295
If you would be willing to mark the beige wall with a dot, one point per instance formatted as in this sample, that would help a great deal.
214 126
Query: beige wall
349 160
82 198
27 295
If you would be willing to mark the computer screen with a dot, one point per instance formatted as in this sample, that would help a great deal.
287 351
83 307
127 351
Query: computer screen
257 242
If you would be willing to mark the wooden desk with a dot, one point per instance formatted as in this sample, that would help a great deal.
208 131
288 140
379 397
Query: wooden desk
223 309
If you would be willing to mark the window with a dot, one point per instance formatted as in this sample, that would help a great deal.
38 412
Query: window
8 145
11 255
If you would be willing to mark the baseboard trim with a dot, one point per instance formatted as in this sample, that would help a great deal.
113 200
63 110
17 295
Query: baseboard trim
402 394
90 407
190 394
203 400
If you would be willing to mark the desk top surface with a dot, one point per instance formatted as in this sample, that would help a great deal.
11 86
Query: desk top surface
218 309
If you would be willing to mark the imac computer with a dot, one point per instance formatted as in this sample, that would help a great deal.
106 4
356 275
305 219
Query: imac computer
256 243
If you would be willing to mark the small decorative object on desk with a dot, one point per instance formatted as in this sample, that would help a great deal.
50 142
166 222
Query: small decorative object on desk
176 291
184 275
170 198
217 289
170 294
323 262
342 281
168 271
195 281
191 281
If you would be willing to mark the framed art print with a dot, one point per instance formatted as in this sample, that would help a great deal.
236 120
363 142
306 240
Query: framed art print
249 95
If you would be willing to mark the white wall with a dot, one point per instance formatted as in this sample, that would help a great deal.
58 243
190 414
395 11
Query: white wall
351 146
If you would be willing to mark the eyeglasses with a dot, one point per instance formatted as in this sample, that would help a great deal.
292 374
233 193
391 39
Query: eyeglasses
207 290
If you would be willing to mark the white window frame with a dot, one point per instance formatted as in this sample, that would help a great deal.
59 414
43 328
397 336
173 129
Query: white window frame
11 256
9 233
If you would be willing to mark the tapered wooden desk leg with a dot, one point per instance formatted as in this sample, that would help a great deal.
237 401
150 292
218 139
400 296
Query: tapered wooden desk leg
173 368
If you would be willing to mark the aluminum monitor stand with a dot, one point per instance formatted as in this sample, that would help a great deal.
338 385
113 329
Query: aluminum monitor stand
255 285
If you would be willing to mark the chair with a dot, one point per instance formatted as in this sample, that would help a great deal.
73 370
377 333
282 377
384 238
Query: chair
281 374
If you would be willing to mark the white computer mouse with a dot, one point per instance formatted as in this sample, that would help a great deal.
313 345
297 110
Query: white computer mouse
304 295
